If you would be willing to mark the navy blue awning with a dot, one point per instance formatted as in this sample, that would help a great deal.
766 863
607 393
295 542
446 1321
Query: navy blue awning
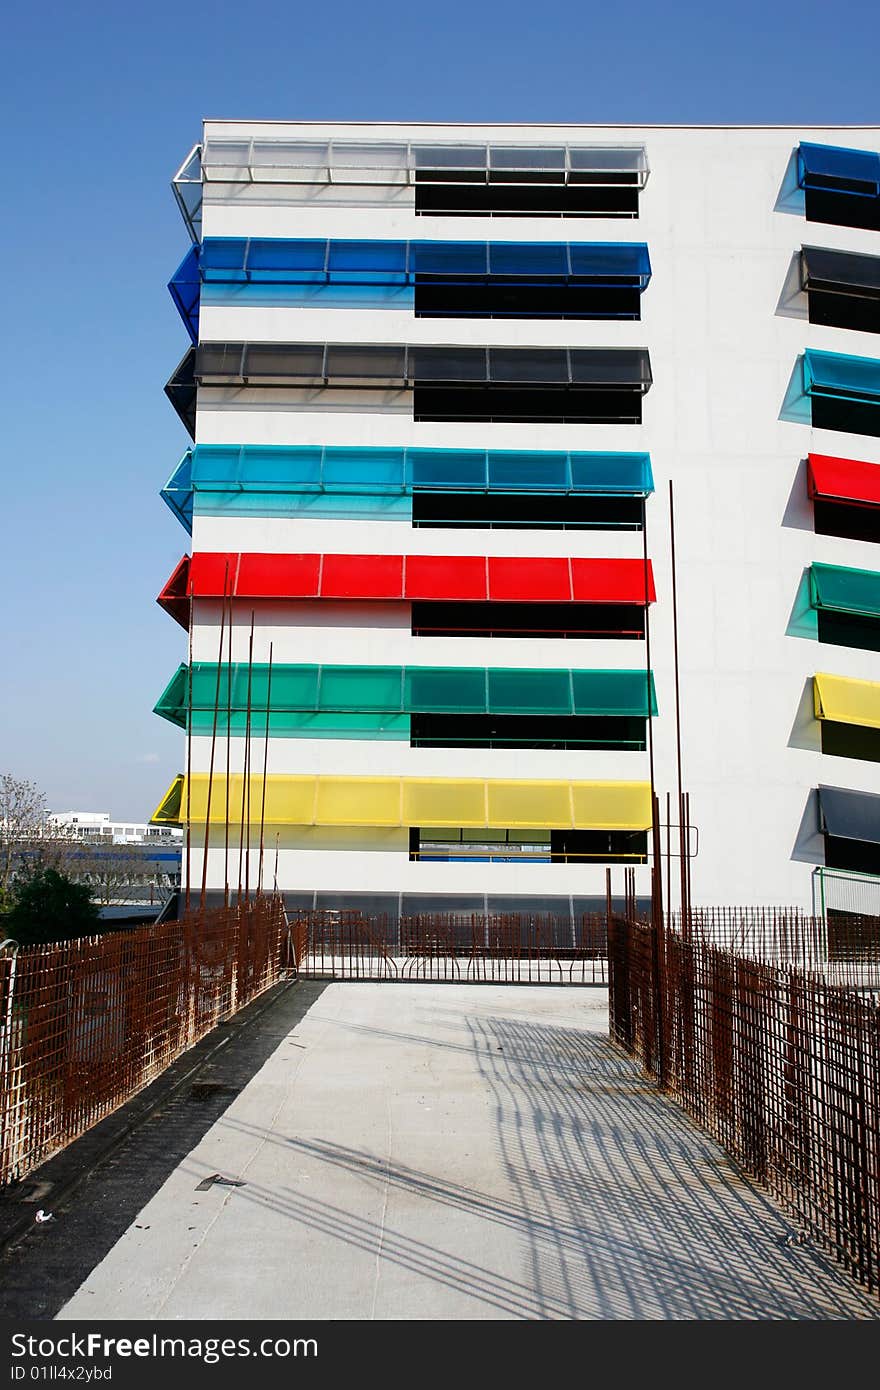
835 170
185 289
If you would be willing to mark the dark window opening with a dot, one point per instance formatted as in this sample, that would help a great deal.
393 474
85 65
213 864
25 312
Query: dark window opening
852 936
508 510
861 856
848 521
543 846
494 299
849 630
842 209
562 404
499 619
473 193
853 417
837 310
526 731
850 741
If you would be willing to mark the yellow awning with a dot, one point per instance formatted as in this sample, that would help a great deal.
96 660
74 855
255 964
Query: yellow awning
846 701
403 801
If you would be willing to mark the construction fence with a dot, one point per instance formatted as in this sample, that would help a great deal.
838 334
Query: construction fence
86 1023
773 1048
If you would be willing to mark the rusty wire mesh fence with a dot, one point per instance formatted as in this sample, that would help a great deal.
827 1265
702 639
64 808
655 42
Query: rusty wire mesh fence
750 1030
84 1024
478 947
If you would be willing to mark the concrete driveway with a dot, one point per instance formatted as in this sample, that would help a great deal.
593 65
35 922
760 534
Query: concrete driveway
458 1152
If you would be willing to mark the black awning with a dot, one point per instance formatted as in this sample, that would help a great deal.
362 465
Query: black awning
850 815
844 272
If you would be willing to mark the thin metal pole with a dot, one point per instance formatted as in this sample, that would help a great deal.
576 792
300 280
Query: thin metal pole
247 852
203 895
684 846
265 769
188 782
228 755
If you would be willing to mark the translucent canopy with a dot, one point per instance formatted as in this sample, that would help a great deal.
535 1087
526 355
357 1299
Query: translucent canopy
842 590
185 289
401 366
406 578
187 188
840 271
180 388
299 692
229 470
414 801
392 163
260 260
843 480
839 375
846 701
850 815
838 170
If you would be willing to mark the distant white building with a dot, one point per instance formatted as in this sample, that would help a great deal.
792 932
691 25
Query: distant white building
88 824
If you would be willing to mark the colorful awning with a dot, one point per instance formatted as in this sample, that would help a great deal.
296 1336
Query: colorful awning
842 590
406 578
842 377
852 481
232 478
378 695
834 169
846 701
413 801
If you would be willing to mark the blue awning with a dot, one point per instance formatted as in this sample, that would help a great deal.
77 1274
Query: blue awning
231 472
841 376
236 260
185 289
833 169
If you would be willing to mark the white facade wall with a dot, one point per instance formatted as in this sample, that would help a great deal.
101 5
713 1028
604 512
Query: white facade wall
724 334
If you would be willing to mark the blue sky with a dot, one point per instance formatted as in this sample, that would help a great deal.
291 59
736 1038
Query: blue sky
103 101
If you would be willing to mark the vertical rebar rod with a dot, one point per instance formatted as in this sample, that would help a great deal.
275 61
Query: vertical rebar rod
203 894
246 788
265 769
188 780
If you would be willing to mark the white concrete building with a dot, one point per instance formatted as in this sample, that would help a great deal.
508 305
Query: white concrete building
88 824
496 346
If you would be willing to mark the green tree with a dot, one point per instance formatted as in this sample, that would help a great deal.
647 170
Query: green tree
49 906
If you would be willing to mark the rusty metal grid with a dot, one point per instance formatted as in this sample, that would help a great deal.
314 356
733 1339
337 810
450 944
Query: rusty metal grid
463 947
774 1056
84 1024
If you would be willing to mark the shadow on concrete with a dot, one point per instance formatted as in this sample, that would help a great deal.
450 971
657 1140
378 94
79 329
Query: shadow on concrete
624 1209
97 1185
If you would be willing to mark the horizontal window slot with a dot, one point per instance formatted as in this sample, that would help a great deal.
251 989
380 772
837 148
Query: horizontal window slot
840 309
841 209
850 741
508 511
860 856
849 630
554 403
848 416
457 730
497 619
503 299
549 847
457 195
847 520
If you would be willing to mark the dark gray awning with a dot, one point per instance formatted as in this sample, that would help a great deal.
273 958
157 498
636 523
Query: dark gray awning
180 388
841 271
849 815
402 366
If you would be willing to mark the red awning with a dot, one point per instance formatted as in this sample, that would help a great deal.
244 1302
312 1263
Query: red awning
843 480
405 578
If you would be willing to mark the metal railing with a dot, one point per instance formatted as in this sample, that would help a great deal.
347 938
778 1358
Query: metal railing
86 1023
742 1020
465 947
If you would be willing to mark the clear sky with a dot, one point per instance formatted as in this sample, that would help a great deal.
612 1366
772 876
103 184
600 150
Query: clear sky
102 103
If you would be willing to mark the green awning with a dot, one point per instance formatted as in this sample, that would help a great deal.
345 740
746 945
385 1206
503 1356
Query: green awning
842 590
